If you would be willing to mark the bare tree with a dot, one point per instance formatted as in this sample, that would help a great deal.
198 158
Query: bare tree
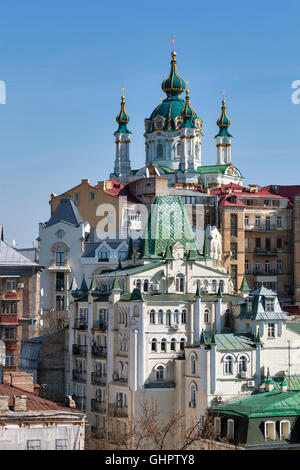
53 320
151 432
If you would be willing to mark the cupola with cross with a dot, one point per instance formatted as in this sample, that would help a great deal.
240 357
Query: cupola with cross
122 134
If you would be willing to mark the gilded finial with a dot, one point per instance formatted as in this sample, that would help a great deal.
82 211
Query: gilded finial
223 94
173 53
161 99
123 97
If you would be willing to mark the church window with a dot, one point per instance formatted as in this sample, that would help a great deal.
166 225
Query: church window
160 373
176 316
146 285
163 345
138 284
183 316
178 150
242 364
197 152
182 344
180 283
206 315
159 151
193 364
153 345
168 318
173 344
214 286
228 365
227 318
160 317
193 395
152 317
221 285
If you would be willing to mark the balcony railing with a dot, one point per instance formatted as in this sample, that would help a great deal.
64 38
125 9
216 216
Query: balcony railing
98 406
99 351
81 324
260 272
119 411
79 376
100 325
98 379
262 228
80 402
118 378
79 350
162 384
265 252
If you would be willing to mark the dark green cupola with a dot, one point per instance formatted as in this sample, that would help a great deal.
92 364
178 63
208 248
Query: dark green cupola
122 118
173 85
223 122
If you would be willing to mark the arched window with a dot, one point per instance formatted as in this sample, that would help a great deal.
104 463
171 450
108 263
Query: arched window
103 255
138 284
228 365
152 317
163 344
214 286
60 256
242 364
227 318
168 317
176 316
160 373
159 151
193 363
193 394
182 344
146 285
221 285
179 283
173 344
206 315
154 345
183 316
160 317
197 152
120 369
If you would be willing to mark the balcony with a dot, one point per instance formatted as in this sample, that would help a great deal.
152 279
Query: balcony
262 228
100 325
98 406
118 378
63 266
80 402
9 319
163 384
119 411
79 375
10 295
260 272
265 252
79 350
99 351
98 379
81 324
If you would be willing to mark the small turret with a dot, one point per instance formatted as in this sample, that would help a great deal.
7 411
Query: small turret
122 134
223 138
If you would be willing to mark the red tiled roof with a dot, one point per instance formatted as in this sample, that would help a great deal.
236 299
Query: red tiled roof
240 191
34 403
119 189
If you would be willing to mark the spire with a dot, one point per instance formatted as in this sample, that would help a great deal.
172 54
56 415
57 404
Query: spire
198 294
223 122
94 284
188 114
73 285
116 284
137 295
123 118
213 339
245 286
83 287
206 250
202 339
145 252
168 253
173 85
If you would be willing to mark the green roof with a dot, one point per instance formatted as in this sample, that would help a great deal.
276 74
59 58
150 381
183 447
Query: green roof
274 403
229 341
295 327
167 224
180 297
131 270
212 169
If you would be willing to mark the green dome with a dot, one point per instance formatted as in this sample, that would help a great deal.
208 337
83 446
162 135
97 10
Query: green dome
169 109
123 119
223 122
173 85
188 114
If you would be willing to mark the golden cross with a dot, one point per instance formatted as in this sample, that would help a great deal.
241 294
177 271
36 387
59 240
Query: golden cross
123 89
173 41
223 94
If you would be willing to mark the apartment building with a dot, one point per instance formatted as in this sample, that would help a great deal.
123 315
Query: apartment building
19 300
257 231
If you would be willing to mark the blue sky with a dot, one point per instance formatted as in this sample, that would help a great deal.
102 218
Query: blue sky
64 63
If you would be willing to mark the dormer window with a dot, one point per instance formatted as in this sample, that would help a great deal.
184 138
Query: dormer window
103 255
269 305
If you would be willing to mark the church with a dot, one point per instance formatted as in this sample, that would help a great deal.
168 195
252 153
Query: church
173 141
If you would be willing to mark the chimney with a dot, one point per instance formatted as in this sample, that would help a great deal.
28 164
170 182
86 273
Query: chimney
23 380
20 403
4 408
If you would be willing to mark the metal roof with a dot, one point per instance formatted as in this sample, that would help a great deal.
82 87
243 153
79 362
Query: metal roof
66 211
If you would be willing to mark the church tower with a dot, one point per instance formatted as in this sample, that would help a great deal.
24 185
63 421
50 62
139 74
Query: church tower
122 134
173 131
223 138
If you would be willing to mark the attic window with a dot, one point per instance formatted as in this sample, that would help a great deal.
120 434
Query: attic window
269 305
117 185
